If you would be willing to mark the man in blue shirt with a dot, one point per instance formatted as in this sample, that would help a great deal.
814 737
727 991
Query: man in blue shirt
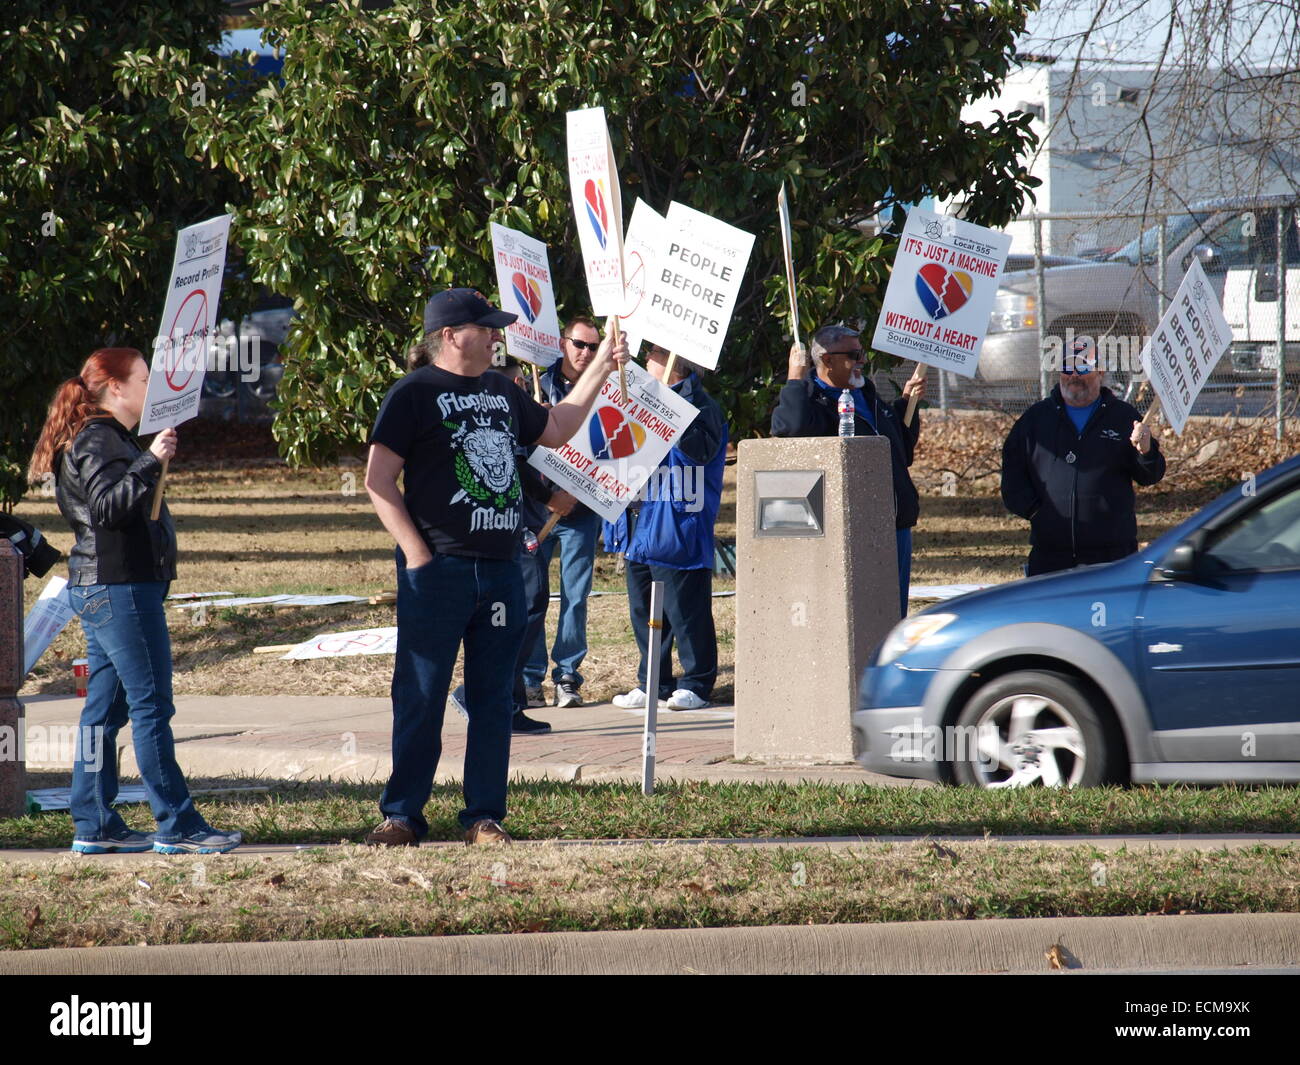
1069 465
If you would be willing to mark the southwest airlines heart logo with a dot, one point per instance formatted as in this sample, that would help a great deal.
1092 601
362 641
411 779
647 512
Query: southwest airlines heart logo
613 435
942 292
594 193
528 294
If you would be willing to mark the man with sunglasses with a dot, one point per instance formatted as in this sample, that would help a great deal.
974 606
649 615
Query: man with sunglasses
449 429
807 407
1069 465
574 536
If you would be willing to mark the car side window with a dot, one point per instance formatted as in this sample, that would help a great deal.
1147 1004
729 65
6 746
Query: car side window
1268 538
1234 241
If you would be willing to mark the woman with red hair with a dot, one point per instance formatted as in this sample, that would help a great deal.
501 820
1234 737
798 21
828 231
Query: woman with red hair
119 572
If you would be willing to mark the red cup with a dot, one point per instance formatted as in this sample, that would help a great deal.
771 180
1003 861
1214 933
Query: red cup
81 673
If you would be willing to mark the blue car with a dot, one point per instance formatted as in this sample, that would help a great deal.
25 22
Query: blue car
1179 663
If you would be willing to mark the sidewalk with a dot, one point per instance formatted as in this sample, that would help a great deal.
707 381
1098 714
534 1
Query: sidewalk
348 738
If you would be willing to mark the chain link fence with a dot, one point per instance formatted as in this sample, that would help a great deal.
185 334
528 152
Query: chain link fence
1110 276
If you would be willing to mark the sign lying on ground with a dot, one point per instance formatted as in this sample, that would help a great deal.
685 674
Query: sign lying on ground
699 264
941 292
620 446
180 353
597 207
524 288
343 644
1186 345
270 600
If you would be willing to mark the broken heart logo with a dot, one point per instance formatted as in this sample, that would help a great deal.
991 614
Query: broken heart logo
594 195
613 435
942 292
528 294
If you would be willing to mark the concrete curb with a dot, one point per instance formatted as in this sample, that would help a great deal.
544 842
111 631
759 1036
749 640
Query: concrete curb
1089 944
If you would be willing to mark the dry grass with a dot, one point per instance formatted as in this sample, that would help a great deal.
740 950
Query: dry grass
351 892
260 529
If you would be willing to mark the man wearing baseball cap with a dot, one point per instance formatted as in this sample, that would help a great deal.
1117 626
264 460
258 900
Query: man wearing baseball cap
450 429
1069 465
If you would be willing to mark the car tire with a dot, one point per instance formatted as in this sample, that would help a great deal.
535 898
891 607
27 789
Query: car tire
1035 727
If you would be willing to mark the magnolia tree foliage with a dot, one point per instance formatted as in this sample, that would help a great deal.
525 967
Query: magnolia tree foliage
94 181
373 166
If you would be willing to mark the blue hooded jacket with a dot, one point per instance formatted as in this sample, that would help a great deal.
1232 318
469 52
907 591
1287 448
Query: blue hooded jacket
674 524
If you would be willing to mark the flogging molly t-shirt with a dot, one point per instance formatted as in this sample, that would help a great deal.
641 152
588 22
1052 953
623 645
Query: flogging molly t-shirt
457 436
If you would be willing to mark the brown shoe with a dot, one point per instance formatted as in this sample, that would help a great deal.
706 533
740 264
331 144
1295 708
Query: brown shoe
392 834
486 832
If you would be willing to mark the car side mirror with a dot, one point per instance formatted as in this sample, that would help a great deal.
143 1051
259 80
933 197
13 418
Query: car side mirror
1208 256
1180 564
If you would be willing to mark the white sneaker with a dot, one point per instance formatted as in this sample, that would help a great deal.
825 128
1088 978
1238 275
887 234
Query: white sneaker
682 699
633 700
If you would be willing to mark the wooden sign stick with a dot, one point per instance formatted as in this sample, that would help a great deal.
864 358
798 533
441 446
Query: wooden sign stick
914 398
668 369
546 529
158 494
622 370
537 381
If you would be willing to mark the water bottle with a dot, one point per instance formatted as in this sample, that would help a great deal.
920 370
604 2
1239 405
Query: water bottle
530 541
846 413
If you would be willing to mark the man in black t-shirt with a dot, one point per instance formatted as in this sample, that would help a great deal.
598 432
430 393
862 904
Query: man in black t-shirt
450 429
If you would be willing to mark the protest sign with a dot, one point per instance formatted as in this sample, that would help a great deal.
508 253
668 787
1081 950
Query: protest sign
524 288
699 264
643 234
46 619
597 207
343 644
621 444
1190 339
941 291
787 247
180 353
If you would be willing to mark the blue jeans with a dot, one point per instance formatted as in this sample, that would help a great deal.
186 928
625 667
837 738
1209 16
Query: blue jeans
576 538
903 538
687 620
130 658
479 601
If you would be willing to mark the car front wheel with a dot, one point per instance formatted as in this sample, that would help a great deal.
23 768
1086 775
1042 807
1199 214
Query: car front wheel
1034 728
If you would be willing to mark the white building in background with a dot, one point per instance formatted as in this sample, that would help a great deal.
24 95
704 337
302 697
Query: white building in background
1204 136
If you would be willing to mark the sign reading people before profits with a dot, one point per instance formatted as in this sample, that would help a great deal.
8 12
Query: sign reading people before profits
1186 345
699 264
180 353
620 445
524 288
941 292
597 207
643 234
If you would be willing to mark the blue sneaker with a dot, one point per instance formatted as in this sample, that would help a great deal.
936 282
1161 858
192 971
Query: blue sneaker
205 841
127 842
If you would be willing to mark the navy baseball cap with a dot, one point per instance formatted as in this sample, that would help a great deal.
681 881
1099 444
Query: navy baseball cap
463 306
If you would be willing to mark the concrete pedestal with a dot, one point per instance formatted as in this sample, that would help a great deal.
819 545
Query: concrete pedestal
13 772
811 606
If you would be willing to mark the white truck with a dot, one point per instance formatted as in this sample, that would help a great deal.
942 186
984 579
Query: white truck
1116 300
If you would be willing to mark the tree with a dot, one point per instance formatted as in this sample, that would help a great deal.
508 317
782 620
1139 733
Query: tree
96 180
374 165
1176 100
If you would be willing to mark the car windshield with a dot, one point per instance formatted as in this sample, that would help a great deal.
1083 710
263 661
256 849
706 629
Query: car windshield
1176 228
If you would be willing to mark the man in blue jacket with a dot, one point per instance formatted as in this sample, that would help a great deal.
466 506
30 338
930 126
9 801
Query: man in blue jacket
807 407
1069 466
669 537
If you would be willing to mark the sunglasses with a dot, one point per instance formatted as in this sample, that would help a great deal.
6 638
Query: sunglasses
1082 369
583 345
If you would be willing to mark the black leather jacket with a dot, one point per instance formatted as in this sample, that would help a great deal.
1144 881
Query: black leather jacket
105 485
805 409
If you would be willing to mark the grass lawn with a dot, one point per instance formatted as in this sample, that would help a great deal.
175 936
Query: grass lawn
353 892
